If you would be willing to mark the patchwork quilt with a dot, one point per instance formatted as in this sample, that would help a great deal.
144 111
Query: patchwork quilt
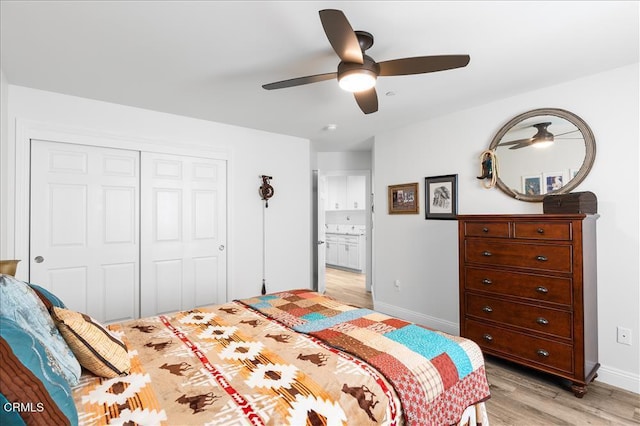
289 358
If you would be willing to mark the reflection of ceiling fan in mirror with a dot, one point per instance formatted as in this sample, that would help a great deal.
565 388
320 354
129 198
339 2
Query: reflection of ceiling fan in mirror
542 138
358 72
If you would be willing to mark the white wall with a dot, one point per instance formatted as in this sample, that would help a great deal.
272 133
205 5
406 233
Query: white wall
422 254
4 189
250 154
352 160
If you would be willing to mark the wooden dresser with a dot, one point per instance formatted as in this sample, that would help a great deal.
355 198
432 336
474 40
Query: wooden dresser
528 291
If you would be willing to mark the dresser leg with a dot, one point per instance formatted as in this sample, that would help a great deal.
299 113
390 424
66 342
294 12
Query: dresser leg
578 389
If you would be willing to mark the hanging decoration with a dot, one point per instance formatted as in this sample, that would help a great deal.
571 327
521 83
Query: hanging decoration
488 168
266 192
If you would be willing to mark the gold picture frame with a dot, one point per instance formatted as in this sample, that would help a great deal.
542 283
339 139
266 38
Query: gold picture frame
403 198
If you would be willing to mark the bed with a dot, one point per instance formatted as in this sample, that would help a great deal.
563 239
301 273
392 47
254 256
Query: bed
288 358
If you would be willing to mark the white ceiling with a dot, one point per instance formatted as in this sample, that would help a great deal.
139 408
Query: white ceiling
208 59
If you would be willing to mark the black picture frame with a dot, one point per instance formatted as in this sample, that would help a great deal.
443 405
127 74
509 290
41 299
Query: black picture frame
441 197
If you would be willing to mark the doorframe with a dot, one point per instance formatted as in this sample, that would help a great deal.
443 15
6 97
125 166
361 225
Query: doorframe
368 215
27 130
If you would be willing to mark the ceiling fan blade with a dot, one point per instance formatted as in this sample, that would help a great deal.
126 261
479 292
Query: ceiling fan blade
523 144
516 142
566 133
341 36
422 64
300 81
367 100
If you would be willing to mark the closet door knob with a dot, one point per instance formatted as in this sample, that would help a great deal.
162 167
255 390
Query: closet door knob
38 259
221 247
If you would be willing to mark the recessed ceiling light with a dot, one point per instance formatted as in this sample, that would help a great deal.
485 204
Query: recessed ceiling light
330 127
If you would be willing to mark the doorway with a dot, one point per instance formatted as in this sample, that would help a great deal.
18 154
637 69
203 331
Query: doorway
343 234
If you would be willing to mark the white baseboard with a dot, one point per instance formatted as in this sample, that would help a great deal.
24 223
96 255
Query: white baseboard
619 378
609 375
417 317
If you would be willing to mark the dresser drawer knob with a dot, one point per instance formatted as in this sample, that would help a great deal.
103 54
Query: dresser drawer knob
487 281
540 231
542 290
488 337
485 229
543 353
541 258
487 253
542 321
487 309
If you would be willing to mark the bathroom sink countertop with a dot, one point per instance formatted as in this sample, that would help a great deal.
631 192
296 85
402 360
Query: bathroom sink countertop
345 229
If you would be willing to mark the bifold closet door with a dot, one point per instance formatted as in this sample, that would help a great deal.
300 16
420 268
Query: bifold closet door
183 233
84 227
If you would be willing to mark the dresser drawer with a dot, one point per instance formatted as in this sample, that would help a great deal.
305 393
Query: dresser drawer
535 287
543 230
543 320
487 229
543 257
510 344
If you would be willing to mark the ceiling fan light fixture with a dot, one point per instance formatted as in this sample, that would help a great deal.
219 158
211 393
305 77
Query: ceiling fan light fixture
543 143
357 80
543 138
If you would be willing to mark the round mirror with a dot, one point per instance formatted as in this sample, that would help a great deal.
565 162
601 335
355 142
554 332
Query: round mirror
541 152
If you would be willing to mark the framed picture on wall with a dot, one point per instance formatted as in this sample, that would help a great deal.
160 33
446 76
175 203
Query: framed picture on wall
532 185
441 197
553 181
403 199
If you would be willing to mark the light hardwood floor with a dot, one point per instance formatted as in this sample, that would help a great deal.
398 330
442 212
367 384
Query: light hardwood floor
520 396
348 287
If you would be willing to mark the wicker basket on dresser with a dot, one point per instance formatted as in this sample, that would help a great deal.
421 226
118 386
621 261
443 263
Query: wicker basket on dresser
528 291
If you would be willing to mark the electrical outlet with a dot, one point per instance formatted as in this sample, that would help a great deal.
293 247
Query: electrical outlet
624 336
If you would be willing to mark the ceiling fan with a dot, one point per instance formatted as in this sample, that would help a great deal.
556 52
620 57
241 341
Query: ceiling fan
358 72
543 137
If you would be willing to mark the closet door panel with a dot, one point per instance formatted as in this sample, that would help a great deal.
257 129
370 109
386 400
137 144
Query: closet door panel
120 289
204 269
168 278
183 223
84 227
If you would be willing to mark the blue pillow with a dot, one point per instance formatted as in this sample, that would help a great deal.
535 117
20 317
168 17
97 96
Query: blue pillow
19 303
52 298
37 389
